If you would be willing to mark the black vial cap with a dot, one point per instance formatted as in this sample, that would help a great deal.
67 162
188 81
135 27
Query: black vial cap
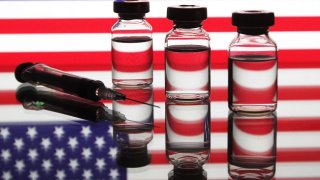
187 13
19 70
253 18
131 9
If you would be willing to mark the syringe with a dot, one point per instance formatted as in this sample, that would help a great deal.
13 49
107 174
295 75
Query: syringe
41 74
42 98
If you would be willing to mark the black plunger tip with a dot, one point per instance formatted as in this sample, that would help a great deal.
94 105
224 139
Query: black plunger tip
19 70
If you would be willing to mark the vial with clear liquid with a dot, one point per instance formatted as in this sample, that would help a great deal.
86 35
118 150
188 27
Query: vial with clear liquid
187 133
187 54
132 50
252 63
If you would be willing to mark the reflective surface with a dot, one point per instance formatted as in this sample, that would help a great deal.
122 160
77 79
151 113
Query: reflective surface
48 145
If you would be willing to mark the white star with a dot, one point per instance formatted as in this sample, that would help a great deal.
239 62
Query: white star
19 165
73 142
18 143
45 143
113 152
86 153
60 174
100 142
110 131
46 164
58 131
87 174
59 154
114 173
6 175
33 154
86 131
5 154
33 175
73 163
32 132
4 133
100 163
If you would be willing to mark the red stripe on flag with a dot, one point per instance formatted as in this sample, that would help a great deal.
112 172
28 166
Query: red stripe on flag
93 61
8 97
103 25
220 156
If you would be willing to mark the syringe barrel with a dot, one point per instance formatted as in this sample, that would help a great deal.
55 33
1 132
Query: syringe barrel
40 74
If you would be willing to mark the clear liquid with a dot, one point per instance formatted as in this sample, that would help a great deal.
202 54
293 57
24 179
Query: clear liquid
252 83
187 72
132 60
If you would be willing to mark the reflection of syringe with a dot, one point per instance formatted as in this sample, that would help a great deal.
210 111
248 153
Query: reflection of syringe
38 98
40 74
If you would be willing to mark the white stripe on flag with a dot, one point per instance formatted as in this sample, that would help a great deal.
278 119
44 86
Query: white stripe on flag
77 42
219 78
219 110
102 9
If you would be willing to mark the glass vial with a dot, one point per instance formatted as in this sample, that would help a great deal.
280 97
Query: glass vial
132 44
187 133
252 63
135 133
252 145
187 54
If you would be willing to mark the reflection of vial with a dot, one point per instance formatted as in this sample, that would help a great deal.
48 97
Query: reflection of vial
187 53
252 145
133 146
187 174
131 44
138 115
187 133
252 63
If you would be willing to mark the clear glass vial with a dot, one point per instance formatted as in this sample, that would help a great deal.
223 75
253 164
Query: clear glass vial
187 54
252 63
132 44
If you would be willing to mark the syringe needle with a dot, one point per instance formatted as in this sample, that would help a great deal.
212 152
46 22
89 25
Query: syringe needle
142 102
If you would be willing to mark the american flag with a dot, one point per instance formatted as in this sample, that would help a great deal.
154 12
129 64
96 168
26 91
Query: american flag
74 36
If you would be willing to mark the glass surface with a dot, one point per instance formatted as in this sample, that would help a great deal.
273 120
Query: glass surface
47 145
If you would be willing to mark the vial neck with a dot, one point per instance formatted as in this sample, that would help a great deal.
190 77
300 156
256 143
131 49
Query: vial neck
253 30
130 16
187 29
187 24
